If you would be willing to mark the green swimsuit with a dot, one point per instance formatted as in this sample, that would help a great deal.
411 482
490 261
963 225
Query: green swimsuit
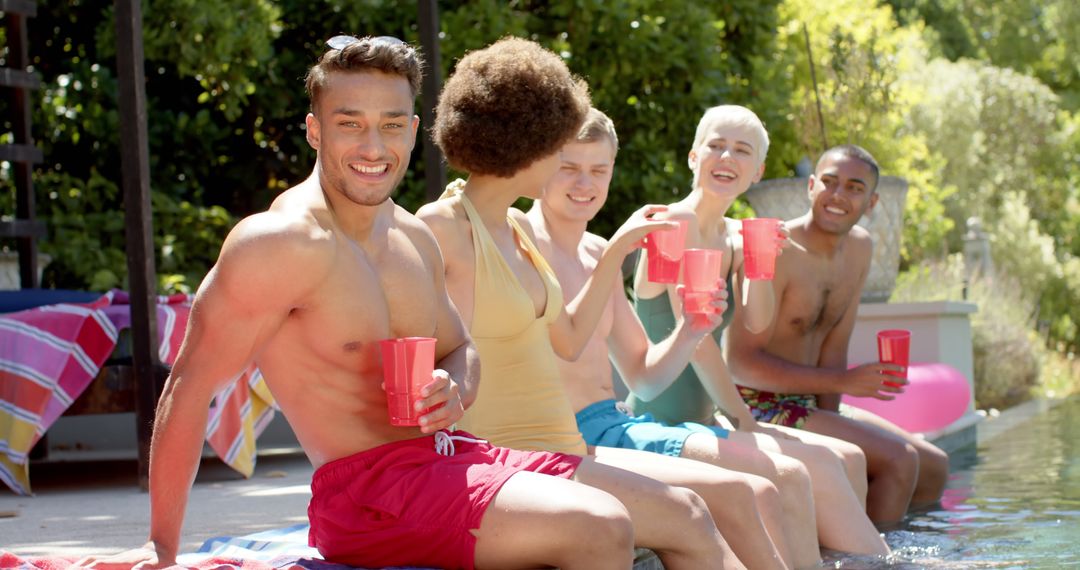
686 399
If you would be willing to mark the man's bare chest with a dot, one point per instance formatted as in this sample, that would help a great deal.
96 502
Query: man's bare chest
816 301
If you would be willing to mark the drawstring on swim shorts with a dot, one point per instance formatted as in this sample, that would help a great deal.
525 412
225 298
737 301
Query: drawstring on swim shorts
444 442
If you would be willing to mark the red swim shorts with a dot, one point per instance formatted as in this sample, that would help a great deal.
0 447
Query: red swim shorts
404 504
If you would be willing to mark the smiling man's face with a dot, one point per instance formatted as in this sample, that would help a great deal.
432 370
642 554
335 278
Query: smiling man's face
841 190
580 186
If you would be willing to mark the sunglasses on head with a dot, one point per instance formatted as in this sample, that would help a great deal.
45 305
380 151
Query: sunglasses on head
344 41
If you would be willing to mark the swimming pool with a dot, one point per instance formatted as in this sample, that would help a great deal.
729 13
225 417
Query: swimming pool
1013 503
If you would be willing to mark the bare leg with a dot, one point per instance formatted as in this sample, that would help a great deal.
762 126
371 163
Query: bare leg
789 476
841 517
892 464
671 520
745 508
853 459
538 520
933 462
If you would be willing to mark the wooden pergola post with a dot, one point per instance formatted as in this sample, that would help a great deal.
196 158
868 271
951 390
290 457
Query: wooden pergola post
434 169
22 154
138 221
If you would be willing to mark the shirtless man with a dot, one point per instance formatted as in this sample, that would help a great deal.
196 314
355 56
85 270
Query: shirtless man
794 371
804 474
305 290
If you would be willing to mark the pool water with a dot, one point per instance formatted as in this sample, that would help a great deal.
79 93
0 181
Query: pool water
1012 503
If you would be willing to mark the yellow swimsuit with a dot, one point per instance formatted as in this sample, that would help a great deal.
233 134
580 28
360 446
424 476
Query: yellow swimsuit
521 403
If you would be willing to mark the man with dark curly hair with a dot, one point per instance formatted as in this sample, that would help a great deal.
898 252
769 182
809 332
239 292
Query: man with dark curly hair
503 117
306 290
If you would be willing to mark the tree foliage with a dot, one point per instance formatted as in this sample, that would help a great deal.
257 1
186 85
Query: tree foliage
859 82
226 102
989 127
1004 135
1034 37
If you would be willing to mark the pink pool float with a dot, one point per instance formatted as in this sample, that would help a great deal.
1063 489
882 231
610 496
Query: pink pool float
936 396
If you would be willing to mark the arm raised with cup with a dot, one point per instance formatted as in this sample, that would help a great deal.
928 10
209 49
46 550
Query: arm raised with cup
575 326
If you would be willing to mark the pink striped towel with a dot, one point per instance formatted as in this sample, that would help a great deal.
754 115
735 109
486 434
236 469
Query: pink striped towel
50 354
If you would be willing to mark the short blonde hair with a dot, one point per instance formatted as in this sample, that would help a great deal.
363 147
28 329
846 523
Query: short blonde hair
735 115
598 127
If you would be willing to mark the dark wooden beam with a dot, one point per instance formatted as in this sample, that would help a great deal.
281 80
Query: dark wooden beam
26 8
135 169
23 229
18 78
23 154
434 168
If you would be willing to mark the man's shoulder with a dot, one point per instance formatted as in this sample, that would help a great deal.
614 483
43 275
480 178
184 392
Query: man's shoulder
861 242
411 224
273 229
278 239
860 233
593 244
592 240
273 259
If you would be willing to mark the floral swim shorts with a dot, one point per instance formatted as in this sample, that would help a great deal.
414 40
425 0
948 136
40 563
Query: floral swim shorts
789 410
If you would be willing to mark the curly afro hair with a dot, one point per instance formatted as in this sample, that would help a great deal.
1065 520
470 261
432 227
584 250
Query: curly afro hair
506 106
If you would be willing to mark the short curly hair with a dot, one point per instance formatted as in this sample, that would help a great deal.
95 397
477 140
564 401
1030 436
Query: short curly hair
506 106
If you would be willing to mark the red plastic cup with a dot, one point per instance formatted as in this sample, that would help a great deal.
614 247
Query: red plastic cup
701 273
894 347
407 367
665 251
759 247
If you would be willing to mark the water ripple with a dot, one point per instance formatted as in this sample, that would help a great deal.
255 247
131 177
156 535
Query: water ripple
1014 504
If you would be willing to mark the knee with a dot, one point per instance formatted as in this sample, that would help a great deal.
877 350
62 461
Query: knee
937 460
606 524
793 477
853 458
762 493
695 510
901 460
934 466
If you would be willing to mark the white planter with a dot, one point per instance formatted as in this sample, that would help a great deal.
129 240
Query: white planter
786 198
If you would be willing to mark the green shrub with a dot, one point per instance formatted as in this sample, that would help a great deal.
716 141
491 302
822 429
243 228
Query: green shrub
1060 376
1007 353
87 239
866 96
